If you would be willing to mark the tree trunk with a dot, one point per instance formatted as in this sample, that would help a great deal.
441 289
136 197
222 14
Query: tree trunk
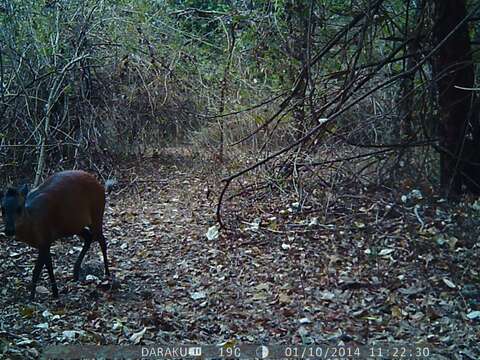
299 25
223 91
453 67
404 129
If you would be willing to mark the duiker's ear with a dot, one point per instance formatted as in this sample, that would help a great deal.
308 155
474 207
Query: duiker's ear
23 190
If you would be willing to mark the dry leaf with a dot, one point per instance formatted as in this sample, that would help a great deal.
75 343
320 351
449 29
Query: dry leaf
198 295
284 298
137 337
212 233
449 283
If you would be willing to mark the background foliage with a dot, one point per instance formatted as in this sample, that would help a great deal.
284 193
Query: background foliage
98 79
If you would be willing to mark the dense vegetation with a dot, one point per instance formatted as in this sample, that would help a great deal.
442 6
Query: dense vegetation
97 79
304 102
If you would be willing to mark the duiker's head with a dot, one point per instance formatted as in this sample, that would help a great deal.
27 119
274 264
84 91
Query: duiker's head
13 204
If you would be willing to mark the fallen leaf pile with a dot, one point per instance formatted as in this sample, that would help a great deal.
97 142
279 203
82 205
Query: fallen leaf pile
348 267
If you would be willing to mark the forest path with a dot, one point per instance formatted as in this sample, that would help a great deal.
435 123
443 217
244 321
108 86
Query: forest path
274 275
189 288
171 284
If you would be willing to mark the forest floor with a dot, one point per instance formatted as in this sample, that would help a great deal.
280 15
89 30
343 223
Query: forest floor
366 267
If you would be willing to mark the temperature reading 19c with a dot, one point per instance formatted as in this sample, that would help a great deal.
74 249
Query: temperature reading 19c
230 352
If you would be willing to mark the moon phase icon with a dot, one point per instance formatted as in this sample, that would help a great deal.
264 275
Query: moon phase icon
262 352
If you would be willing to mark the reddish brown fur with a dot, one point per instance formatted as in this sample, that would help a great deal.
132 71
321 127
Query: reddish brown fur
63 205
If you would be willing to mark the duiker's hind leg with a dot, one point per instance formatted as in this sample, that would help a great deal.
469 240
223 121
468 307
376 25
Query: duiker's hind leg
97 234
87 237
103 246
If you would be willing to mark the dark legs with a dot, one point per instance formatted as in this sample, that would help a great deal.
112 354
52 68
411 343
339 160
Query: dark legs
44 258
51 276
87 236
103 246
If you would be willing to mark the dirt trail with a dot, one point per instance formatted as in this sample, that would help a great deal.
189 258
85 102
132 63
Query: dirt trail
172 281
273 277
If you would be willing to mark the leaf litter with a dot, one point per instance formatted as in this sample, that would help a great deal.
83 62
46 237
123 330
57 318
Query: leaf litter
359 269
